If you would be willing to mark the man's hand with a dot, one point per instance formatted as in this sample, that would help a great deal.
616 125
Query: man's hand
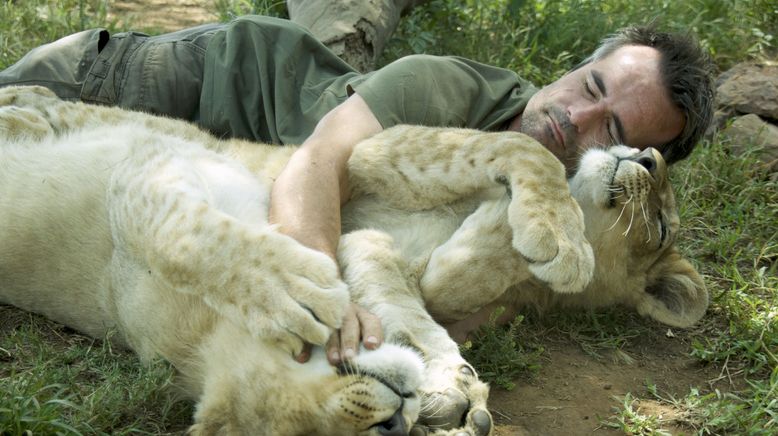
344 343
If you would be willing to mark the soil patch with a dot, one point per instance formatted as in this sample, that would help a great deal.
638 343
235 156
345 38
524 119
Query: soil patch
163 15
574 392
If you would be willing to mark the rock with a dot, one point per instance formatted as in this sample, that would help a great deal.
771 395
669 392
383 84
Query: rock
750 88
750 133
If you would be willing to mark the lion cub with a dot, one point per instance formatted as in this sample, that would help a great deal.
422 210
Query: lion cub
119 220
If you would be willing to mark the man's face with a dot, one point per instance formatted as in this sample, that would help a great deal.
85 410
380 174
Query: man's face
618 99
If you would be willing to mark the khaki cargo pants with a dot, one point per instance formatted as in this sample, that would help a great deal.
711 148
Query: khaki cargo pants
158 74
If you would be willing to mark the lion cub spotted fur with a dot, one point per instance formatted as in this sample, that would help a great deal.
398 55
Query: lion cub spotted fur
113 219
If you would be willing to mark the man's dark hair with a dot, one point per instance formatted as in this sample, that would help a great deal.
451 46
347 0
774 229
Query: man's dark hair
687 72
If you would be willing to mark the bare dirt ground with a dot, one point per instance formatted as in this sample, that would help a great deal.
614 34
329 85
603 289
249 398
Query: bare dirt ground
164 15
573 391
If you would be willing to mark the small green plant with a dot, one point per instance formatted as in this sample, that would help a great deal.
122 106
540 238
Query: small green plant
629 420
599 332
747 412
500 354
82 386
35 409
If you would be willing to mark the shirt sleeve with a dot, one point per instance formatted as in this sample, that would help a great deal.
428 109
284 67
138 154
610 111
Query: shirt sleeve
444 91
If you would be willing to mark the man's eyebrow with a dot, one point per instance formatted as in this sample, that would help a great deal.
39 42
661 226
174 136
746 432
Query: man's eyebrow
597 77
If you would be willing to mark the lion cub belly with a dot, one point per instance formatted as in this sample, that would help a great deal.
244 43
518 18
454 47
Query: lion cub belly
56 246
415 233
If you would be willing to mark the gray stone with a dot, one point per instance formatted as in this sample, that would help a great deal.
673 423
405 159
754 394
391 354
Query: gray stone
750 88
750 133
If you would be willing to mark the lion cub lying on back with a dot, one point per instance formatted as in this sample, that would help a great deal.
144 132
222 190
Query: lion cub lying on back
118 220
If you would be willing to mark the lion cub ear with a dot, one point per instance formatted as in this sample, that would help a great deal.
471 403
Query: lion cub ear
675 293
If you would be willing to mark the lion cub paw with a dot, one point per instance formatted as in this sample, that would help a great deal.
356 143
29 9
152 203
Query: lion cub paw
17 123
554 244
37 97
453 402
288 292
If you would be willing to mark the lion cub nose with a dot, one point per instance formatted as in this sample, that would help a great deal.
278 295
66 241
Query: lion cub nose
648 159
394 426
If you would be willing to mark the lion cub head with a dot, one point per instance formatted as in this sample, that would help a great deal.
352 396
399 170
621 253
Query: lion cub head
373 395
632 223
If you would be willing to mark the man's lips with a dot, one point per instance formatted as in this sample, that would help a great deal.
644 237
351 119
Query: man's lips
557 132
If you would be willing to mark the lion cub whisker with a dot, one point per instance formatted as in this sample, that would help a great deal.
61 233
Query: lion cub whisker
645 221
631 217
618 218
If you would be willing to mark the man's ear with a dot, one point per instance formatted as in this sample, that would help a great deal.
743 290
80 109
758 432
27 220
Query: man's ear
675 293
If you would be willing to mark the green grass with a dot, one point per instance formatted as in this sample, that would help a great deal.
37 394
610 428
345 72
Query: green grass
52 381
632 422
231 8
500 357
730 211
59 382
26 24
543 39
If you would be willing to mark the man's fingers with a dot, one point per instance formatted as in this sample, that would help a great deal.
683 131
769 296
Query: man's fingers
305 354
349 333
333 348
372 333
357 323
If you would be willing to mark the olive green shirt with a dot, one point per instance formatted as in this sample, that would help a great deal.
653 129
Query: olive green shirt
292 80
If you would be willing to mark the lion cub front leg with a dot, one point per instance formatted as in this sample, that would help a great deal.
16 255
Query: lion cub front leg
416 167
475 266
453 399
166 216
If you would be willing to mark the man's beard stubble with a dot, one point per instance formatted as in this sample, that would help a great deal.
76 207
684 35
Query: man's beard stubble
538 125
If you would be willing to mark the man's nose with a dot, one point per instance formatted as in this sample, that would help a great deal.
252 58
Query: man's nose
587 115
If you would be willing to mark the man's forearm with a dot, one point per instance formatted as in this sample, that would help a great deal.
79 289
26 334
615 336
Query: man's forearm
307 195
305 201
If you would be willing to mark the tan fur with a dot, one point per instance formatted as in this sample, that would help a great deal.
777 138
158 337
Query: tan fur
115 220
